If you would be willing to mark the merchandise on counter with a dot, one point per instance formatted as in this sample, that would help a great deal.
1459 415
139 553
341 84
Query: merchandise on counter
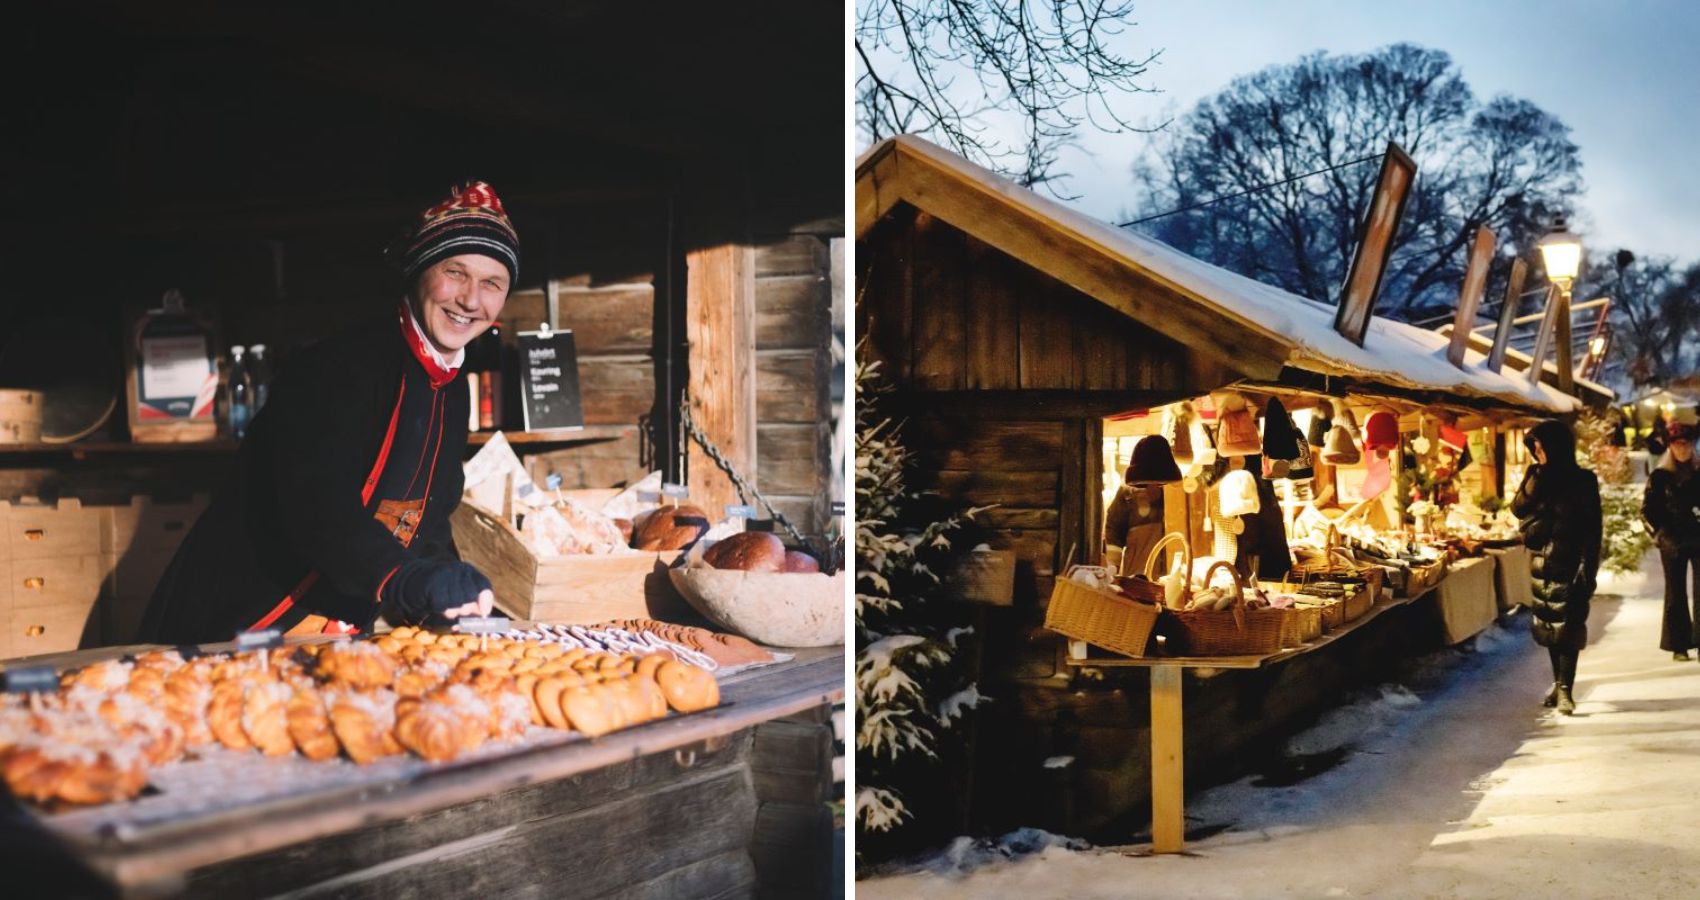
796 561
437 696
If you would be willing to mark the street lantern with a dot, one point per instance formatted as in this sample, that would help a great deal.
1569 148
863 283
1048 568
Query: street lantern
1561 253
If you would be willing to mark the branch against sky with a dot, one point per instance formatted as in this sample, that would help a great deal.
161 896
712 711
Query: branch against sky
954 71
1504 163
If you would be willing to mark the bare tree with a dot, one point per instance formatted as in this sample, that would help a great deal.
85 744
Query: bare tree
957 71
1295 148
1655 316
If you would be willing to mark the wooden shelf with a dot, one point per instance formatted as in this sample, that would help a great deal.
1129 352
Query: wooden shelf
84 449
87 449
556 436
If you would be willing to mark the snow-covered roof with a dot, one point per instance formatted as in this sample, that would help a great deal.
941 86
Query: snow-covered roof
1298 330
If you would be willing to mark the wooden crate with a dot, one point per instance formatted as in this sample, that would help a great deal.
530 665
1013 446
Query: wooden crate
571 589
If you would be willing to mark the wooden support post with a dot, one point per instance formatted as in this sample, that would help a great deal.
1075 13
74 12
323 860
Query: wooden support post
1168 798
720 326
1561 323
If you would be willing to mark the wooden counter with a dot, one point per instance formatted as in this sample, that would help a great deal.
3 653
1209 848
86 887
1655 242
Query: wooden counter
668 808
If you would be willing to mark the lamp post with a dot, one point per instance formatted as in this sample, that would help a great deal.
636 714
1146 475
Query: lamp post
1561 256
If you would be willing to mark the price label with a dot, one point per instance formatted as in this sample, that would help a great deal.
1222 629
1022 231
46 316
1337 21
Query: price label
31 679
838 507
677 491
259 639
482 624
744 512
759 525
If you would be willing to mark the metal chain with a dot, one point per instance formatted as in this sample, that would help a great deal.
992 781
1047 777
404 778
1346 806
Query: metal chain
744 488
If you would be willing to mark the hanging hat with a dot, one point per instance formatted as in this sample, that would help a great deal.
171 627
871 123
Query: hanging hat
1203 446
1303 469
471 220
1452 436
1321 422
1152 462
1237 434
1381 430
1237 493
1280 438
1177 427
1340 450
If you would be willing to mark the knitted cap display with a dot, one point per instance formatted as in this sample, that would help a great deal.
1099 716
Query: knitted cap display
1280 438
1381 430
471 220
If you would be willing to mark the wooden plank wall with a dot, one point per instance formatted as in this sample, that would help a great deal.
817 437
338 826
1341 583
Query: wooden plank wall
613 331
793 377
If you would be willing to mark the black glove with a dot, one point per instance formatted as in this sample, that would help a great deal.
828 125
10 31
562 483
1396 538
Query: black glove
420 591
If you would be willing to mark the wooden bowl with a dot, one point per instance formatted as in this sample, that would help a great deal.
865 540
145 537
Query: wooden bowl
777 609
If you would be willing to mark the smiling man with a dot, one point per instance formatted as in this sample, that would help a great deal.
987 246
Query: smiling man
339 511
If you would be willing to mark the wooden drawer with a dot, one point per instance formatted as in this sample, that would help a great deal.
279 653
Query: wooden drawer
54 629
68 529
67 581
145 523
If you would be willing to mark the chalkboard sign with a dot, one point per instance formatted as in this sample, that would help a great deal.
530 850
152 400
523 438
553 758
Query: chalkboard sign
548 374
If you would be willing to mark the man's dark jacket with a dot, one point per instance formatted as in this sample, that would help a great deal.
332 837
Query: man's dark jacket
297 519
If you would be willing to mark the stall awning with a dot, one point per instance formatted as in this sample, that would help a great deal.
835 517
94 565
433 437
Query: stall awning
1254 328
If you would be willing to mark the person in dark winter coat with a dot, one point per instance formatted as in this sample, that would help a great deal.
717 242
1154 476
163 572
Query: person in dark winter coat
339 510
1671 507
1559 508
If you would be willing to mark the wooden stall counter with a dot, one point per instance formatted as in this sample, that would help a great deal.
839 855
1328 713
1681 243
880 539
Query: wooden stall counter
668 808
1467 599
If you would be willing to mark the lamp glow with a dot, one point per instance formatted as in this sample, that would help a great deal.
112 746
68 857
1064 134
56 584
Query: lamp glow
1561 253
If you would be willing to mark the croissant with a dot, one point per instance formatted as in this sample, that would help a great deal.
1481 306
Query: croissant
356 664
309 725
224 714
433 731
264 720
362 723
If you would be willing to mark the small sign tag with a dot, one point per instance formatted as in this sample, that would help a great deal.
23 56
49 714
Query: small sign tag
259 639
674 490
482 624
838 507
746 512
759 525
31 680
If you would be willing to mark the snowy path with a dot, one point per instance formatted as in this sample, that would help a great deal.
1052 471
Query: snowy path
1457 785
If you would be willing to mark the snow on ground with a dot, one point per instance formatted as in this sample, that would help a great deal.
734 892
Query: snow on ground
1454 783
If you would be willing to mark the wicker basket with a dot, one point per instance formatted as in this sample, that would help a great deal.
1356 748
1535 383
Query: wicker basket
1358 603
1237 631
1149 571
1100 617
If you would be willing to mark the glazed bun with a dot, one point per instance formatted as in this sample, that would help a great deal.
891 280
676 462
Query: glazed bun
798 561
670 528
751 551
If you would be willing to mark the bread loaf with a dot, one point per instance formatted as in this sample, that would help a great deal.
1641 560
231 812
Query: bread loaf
752 551
670 528
798 561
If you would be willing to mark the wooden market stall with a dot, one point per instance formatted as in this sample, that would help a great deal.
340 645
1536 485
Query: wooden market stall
1024 340
258 159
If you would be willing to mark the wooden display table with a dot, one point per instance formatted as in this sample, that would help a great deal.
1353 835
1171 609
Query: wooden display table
1467 599
1512 579
1168 782
669 808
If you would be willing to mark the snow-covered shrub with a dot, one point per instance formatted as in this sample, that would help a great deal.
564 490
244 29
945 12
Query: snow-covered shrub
910 684
1625 540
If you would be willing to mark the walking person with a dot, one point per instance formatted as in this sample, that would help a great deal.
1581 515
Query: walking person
1671 507
1559 508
